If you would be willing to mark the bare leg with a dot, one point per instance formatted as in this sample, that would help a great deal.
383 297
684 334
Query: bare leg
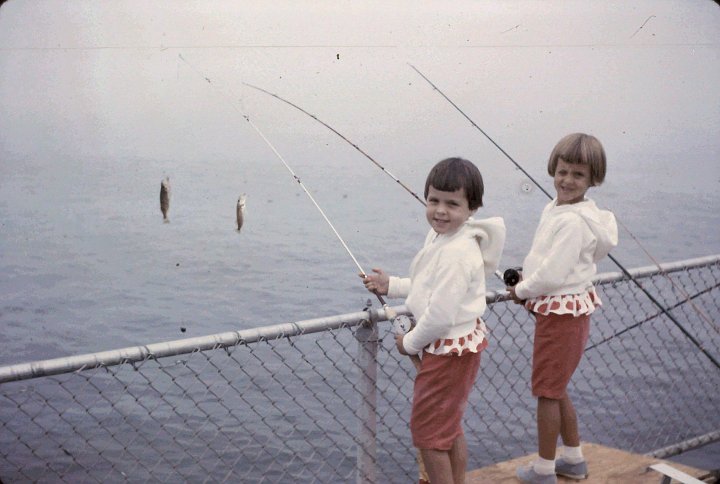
458 459
568 423
437 464
548 426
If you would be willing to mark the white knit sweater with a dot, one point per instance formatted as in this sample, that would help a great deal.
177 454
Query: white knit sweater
446 288
568 242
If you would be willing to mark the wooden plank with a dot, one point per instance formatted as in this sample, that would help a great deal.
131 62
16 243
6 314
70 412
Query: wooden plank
605 466
674 473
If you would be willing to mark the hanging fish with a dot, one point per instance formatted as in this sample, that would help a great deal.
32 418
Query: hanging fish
165 198
240 211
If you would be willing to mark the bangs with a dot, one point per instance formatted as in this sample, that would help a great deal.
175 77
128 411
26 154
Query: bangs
447 180
580 149
453 174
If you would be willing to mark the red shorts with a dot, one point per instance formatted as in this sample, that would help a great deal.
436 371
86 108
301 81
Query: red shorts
442 388
559 344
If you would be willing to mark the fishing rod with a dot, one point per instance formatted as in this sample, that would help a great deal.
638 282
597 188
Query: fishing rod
622 268
389 312
354 145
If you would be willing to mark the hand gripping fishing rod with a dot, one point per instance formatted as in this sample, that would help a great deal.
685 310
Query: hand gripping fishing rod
622 268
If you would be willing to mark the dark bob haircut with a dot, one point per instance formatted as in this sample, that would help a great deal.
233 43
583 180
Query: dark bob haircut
452 174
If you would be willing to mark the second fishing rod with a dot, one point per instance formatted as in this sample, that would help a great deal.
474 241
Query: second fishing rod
390 314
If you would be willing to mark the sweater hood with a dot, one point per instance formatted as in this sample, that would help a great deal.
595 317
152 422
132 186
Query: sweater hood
602 224
489 233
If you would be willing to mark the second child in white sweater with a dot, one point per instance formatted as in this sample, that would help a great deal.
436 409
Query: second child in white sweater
572 236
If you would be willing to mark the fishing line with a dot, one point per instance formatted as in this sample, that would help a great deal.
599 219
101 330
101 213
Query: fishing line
659 313
389 312
610 256
682 291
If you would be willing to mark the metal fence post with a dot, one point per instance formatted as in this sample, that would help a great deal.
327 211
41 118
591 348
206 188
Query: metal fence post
367 337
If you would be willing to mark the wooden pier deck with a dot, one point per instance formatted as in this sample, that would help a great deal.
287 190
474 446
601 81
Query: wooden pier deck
605 466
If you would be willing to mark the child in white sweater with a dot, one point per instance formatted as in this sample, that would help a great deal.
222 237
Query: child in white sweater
572 236
446 295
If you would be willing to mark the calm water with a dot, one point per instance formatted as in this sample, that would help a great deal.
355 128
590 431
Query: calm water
87 263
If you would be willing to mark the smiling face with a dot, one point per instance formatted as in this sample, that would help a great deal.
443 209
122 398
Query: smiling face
571 181
447 211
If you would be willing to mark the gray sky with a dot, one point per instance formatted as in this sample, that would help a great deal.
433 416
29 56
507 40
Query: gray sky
89 77
126 23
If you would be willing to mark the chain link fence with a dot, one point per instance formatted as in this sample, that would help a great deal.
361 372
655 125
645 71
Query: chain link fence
328 400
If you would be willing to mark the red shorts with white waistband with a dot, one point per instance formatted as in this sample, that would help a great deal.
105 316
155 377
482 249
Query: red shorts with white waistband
558 347
440 395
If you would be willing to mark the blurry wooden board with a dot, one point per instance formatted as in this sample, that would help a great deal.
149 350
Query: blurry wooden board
605 465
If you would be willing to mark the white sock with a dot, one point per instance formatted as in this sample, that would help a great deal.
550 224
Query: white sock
544 467
572 455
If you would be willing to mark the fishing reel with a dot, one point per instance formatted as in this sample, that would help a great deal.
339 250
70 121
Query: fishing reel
402 324
511 276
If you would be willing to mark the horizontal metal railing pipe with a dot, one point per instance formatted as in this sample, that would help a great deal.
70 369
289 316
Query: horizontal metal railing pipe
645 271
88 361
24 371
685 445
667 267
